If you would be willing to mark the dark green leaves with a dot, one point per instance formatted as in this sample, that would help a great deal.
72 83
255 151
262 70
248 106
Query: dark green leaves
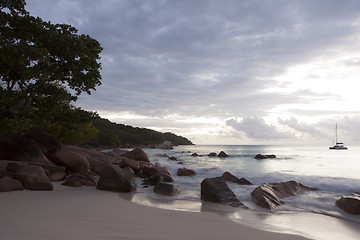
43 68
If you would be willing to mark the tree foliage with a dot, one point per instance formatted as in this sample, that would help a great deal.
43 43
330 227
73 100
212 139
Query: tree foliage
113 134
43 68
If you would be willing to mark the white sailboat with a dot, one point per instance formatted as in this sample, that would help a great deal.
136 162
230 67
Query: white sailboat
338 145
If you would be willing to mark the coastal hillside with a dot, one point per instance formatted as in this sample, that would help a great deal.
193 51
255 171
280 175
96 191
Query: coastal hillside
113 134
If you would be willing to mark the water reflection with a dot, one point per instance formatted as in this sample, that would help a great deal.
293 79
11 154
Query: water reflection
169 203
127 196
312 225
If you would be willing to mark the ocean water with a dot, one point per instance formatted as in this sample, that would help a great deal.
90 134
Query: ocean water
334 173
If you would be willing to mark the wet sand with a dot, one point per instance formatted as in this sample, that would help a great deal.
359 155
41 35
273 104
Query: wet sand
87 213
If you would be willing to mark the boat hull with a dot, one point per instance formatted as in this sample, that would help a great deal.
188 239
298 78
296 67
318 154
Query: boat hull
338 148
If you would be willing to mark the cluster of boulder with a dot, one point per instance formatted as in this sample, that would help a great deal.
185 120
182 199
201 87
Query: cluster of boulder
36 159
268 195
221 154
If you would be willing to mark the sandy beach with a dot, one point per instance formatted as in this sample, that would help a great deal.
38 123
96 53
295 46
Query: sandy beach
87 213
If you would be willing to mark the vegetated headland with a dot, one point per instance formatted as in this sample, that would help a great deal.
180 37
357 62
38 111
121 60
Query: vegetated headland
119 135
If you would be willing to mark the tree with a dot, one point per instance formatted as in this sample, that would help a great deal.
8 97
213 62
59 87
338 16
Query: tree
44 67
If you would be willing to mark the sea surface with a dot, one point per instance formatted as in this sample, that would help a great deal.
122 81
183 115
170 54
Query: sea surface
334 173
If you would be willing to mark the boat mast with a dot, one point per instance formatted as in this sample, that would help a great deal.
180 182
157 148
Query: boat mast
336 133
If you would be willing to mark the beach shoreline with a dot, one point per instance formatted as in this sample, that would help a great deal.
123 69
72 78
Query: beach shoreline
312 225
87 213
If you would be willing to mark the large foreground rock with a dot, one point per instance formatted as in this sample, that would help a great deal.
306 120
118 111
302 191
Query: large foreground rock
114 178
13 166
53 172
90 153
137 154
216 190
97 160
51 167
33 178
133 164
97 166
7 146
44 139
28 148
9 184
79 179
72 161
269 195
29 151
350 204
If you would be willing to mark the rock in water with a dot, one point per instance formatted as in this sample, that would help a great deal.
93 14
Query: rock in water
350 204
114 178
185 172
33 178
265 196
230 177
227 176
244 181
155 179
150 171
167 189
269 195
222 154
216 190
165 145
261 156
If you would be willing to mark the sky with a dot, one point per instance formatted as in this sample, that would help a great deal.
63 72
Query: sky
224 72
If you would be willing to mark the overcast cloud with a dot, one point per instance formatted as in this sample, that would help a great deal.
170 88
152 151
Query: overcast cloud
262 69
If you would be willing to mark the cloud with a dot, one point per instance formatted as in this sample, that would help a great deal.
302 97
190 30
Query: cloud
165 50
348 126
211 59
303 127
257 128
